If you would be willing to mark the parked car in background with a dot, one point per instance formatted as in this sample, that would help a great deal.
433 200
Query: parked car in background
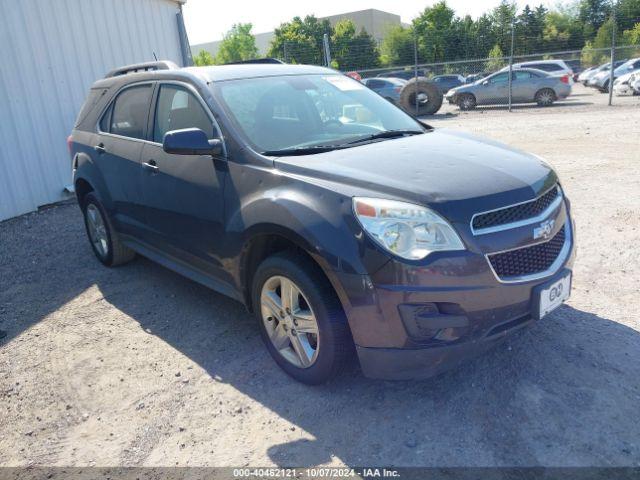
447 82
474 77
600 79
635 84
576 68
555 68
388 88
588 73
342 223
623 84
404 74
528 85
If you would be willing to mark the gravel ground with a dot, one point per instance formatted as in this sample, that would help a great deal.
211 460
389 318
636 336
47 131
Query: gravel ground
139 366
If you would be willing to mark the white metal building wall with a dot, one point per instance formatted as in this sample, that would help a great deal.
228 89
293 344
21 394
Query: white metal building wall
51 51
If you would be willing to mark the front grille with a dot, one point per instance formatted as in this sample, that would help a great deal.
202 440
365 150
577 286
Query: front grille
517 212
528 260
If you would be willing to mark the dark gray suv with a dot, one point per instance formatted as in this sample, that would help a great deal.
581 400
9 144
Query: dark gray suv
344 224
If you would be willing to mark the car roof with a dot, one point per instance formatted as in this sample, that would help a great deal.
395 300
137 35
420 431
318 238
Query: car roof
255 70
218 73
557 62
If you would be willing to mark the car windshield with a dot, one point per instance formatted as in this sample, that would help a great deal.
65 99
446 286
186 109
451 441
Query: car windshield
309 111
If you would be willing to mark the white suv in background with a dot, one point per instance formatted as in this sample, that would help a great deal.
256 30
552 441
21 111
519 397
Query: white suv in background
555 68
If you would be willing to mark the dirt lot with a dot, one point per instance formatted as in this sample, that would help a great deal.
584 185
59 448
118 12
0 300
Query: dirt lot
138 366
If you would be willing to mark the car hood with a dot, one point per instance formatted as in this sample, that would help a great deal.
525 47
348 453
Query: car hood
445 169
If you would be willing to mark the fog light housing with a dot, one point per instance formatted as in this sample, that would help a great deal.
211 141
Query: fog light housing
437 322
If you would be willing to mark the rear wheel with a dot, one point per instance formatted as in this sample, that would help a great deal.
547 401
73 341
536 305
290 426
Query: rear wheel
466 101
300 318
105 242
545 97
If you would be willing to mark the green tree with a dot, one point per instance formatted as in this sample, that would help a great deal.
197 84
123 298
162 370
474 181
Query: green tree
300 41
627 14
593 13
502 18
433 29
397 46
590 56
203 58
562 31
496 59
238 44
351 50
632 36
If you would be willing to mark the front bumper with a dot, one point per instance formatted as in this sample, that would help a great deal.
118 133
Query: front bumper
477 333
472 311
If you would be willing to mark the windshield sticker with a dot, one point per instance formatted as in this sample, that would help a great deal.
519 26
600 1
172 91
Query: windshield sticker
344 84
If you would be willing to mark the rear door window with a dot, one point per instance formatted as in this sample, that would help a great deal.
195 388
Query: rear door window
131 111
177 108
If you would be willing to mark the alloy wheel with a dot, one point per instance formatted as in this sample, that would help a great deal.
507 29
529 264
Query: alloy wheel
546 98
289 321
97 230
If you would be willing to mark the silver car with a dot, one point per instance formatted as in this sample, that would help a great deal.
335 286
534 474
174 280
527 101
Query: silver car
528 85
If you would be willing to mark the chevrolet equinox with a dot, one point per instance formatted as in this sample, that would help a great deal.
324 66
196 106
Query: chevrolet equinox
344 224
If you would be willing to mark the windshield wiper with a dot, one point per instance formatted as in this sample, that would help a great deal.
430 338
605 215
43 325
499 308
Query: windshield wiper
287 152
387 134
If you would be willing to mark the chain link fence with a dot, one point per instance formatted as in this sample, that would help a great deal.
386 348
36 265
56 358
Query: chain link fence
521 76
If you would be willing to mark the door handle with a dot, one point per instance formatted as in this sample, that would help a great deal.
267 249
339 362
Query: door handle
100 148
151 166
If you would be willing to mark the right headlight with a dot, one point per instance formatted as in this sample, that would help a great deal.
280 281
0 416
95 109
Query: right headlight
407 230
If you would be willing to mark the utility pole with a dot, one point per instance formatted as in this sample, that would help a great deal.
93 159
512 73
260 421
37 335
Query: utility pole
327 52
415 67
613 51
513 40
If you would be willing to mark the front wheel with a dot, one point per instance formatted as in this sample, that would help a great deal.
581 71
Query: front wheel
545 97
466 101
300 317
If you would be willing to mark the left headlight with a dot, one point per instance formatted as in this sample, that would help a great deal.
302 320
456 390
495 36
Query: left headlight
407 230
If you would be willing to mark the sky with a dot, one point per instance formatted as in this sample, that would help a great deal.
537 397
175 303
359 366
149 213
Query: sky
208 20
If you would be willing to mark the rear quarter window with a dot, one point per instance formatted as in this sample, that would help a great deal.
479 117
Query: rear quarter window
94 97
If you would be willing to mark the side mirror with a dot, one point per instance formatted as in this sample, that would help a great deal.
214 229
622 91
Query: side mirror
486 82
190 141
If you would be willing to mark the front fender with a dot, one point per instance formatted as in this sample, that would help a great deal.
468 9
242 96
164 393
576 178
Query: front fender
319 221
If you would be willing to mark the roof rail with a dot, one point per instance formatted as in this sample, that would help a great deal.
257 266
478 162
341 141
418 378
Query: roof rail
142 67
256 60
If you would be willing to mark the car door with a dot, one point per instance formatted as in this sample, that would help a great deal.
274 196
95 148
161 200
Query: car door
494 89
121 132
523 86
183 194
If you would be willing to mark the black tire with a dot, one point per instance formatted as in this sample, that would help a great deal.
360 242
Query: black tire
335 344
116 253
466 101
422 87
545 97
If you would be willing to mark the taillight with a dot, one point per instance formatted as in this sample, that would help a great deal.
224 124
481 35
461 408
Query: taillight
564 79
397 89
69 143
